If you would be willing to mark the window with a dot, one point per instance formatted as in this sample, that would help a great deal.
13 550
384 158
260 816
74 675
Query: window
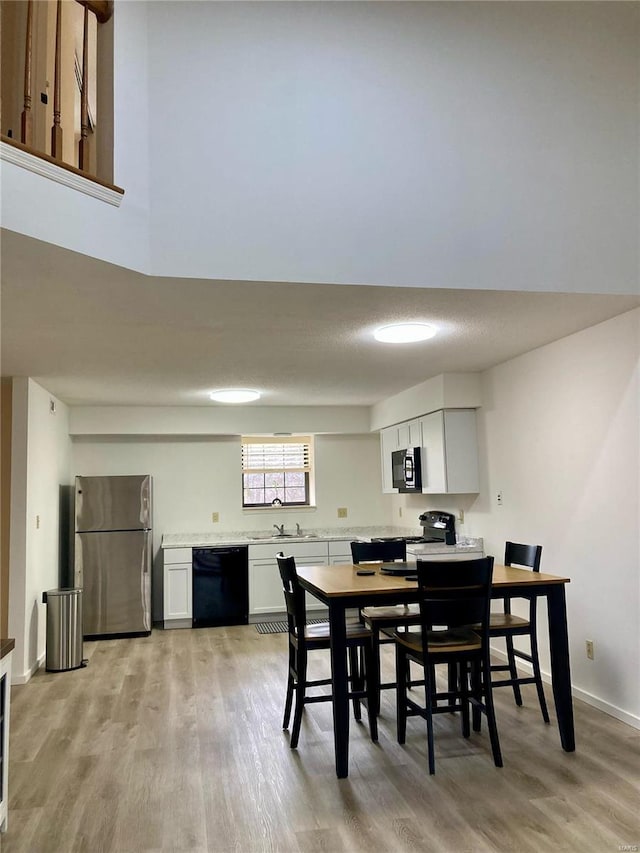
276 469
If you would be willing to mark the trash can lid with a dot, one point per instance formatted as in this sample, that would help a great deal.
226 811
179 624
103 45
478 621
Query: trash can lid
67 591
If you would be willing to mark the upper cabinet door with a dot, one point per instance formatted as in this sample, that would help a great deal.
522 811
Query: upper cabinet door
388 443
434 479
461 451
450 452
409 434
415 433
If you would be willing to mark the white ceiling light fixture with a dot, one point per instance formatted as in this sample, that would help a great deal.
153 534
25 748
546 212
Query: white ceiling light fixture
234 395
404 333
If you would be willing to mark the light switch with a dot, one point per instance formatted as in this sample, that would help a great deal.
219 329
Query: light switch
342 512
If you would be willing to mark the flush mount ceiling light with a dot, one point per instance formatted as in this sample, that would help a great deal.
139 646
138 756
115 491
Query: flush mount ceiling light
234 395
404 333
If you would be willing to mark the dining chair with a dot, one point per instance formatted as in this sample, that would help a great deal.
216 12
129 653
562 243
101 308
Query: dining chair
383 620
305 638
506 624
454 601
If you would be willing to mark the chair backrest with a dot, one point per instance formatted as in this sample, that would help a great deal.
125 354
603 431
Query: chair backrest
379 552
293 594
455 594
528 556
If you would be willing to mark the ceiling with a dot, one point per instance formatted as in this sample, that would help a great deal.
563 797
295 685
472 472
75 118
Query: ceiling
95 334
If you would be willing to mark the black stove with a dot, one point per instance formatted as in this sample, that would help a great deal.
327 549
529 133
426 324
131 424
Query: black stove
437 526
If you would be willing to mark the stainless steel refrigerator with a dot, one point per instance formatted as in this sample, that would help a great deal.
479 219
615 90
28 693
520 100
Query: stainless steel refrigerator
113 554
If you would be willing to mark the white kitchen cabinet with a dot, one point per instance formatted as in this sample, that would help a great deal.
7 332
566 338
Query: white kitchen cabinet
178 588
450 452
409 434
265 585
388 443
339 552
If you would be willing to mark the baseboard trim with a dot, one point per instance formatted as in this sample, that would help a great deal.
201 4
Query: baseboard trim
588 698
607 707
25 677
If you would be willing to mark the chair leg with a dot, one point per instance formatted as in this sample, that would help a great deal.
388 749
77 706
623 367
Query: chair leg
375 650
513 670
290 686
535 660
401 695
453 672
463 687
475 676
357 682
373 690
300 694
288 702
491 714
429 690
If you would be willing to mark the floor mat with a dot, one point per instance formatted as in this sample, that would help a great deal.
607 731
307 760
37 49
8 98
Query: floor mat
280 627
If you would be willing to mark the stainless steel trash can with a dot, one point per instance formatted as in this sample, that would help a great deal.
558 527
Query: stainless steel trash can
64 629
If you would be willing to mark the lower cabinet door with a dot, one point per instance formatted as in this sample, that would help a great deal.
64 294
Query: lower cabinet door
177 591
265 587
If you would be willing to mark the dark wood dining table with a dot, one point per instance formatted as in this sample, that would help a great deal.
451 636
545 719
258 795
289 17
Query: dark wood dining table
340 588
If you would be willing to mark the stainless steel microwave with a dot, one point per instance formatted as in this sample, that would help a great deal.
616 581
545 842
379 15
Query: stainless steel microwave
406 470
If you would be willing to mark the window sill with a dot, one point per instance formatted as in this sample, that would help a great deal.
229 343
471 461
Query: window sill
41 164
277 509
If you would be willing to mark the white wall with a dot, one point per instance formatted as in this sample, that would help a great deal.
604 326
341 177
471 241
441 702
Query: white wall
476 145
40 473
194 476
473 145
560 438
216 420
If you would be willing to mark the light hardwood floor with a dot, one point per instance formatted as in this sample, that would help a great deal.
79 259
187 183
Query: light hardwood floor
174 742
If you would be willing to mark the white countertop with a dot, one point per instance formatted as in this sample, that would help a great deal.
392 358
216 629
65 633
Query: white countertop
253 537
418 548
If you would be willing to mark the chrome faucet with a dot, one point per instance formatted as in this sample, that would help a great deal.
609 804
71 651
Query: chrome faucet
280 529
298 529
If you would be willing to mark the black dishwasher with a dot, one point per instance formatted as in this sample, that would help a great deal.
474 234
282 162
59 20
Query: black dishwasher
220 586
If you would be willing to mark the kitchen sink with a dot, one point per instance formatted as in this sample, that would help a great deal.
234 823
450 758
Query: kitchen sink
268 538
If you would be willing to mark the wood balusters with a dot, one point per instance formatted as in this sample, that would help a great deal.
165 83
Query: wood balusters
56 130
102 9
83 154
35 17
26 119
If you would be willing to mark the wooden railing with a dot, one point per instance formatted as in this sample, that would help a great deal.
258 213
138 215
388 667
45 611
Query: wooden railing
103 11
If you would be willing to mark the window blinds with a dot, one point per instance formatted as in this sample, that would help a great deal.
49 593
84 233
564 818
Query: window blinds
261 454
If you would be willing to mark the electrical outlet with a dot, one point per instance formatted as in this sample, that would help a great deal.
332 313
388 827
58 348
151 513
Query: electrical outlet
499 498
589 647
461 516
342 512
215 516
37 522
